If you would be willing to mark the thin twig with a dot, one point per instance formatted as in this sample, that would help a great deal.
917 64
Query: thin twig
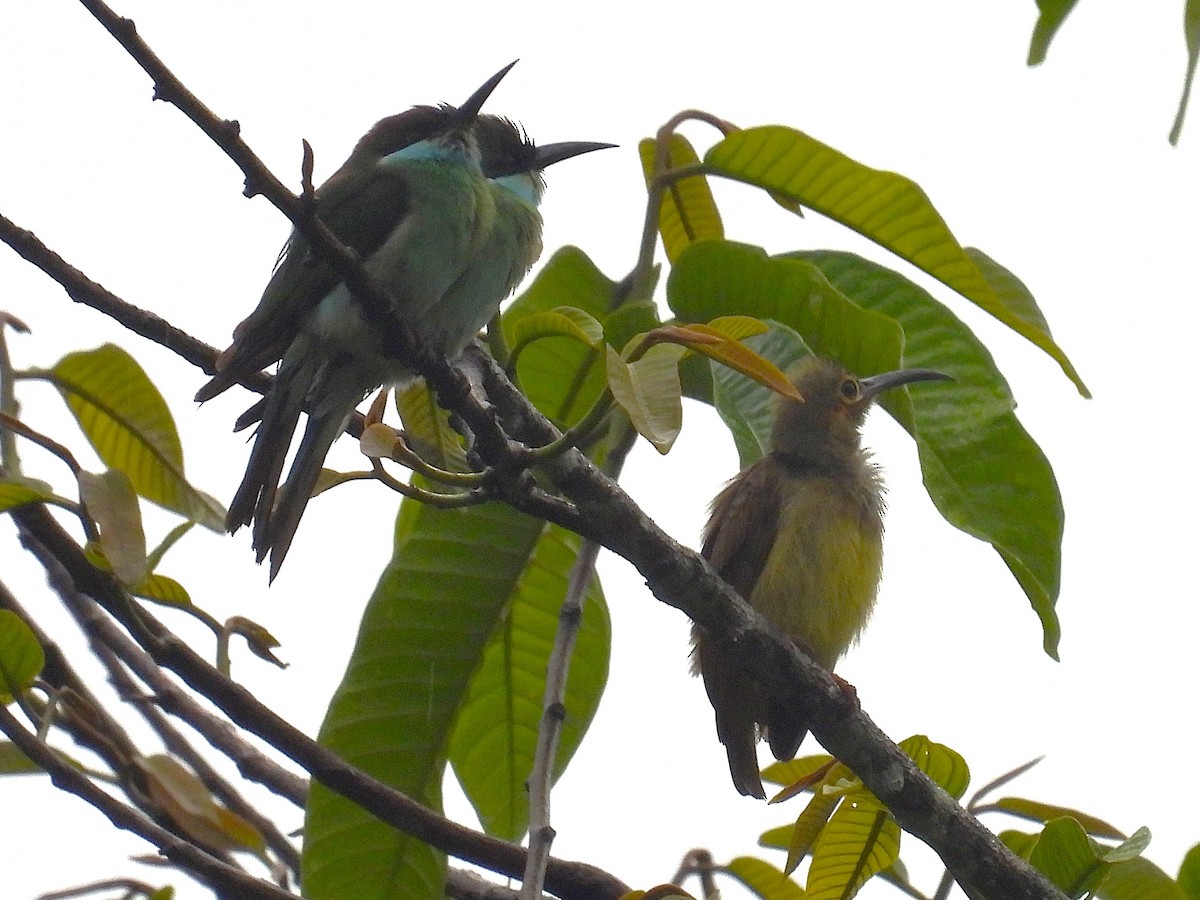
131 886
251 763
464 885
179 746
541 832
83 290
699 862
59 673
565 879
221 876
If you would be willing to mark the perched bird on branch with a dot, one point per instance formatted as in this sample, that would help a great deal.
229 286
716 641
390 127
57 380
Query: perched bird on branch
441 204
799 535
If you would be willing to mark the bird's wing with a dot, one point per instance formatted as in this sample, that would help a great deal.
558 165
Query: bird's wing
737 542
741 529
361 213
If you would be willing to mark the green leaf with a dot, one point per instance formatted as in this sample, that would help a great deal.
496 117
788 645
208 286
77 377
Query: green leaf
1130 848
1191 36
16 492
629 320
561 376
1139 879
861 839
790 771
722 278
944 766
154 557
111 501
648 390
13 761
1189 873
493 742
426 628
427 429
808 828
764 879
1017 299
161 589
1036 811
882 206
421 639
128 423
1065 855
688 212
1051 14
1019 842
562 321
984 472
21 657
738 327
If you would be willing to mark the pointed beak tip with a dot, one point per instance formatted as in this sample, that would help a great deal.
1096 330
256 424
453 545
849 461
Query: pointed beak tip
877 384
550 154
469 110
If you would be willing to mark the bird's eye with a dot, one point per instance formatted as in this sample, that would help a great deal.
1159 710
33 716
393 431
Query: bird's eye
849 389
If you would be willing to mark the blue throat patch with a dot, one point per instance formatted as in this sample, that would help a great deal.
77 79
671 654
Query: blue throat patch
523 184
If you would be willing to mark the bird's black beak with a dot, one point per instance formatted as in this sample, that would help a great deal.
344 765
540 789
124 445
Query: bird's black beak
466 113
877 384
550 154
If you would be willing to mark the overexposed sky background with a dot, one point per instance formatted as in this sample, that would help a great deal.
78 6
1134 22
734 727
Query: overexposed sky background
1061 173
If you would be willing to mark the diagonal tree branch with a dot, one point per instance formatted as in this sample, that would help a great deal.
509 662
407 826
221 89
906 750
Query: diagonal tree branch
223 878
679 577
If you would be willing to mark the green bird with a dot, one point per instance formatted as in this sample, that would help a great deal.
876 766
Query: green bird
441 204
799 535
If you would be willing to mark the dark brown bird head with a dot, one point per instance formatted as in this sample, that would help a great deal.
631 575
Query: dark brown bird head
825 427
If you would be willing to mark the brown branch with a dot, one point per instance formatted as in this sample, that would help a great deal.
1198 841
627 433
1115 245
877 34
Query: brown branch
83 290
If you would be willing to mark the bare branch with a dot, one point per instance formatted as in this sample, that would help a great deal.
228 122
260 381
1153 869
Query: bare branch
541 833
566 879
83 290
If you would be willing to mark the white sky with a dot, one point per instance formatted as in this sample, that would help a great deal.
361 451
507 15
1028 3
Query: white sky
1062 173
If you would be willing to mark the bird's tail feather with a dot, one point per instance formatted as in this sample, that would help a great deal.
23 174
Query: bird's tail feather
280 413
785 732
737 700
273 532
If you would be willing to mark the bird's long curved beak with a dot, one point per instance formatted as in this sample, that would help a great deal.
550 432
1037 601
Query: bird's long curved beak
877 384
550 154
466 113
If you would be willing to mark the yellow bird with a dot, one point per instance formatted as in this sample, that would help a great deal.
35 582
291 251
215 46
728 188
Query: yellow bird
799 534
